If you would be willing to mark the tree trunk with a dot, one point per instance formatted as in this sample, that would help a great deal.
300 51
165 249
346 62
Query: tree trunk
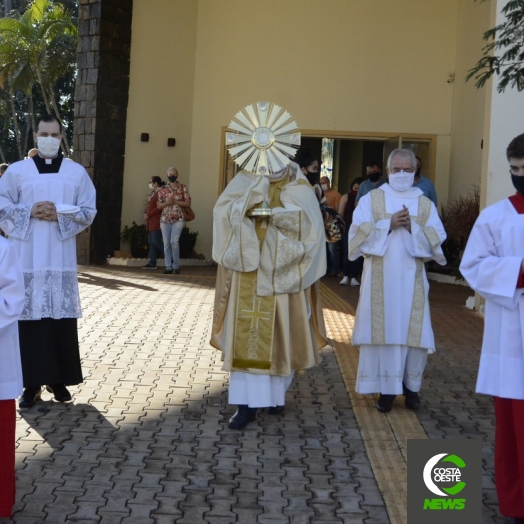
8 7
44 92
2 156
33 119
16 127
57 111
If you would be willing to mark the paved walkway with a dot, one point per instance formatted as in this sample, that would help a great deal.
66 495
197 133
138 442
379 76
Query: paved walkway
146 439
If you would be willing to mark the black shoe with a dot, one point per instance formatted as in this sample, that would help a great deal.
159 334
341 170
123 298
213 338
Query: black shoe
168 272
176 271
385 403
514 520
412 400
60 392
30 396
277 410
242 417
148 266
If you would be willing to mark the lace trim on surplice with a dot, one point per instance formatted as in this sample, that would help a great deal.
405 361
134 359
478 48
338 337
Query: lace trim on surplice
51 294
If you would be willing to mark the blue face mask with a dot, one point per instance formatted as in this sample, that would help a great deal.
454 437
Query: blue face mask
518 183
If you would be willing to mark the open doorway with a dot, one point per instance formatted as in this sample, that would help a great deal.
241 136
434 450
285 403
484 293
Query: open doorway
350 153
344 159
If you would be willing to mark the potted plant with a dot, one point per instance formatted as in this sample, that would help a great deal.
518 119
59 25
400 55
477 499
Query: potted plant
136 236
187 242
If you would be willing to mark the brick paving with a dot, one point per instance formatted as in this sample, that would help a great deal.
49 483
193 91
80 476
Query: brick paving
146 438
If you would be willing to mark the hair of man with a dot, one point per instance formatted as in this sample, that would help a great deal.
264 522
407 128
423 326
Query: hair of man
404 153
48 119
516 147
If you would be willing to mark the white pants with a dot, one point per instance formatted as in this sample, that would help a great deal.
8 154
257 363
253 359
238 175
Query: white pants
382 369
258 391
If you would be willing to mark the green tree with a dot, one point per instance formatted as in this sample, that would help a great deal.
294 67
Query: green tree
504 53
37 48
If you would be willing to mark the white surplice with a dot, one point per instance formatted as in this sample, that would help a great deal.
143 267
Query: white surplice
47 249
393 309
11 304
491 264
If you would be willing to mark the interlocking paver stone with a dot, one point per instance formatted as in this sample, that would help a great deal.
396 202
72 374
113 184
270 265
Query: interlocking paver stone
146 438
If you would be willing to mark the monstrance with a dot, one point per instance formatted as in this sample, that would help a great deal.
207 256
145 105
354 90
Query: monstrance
263 139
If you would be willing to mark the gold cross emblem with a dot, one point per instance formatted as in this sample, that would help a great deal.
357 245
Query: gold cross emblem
255 314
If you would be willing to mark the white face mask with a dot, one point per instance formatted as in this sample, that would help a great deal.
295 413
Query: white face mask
48 146
401 181
151 186
324 187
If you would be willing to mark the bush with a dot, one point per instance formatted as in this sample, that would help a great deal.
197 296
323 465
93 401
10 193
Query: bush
458 218
187 242
136 236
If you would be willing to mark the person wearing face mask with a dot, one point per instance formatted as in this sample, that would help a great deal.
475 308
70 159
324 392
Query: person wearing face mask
424 184
45 201
309 167
152 218
332 200
171 199
345 210
396 228
493 265
374 180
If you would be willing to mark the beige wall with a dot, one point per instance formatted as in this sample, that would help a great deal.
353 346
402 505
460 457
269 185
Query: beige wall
469 102
160 97
504 117
348 65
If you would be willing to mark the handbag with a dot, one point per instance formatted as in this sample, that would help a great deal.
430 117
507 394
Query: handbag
188 213
334 225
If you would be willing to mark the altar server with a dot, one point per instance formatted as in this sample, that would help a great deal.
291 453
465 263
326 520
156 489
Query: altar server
493 265
11 304
45 202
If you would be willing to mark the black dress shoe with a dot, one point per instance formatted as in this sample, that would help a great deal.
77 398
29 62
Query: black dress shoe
30 396
60 392
385 403
412 400
277 410
242 417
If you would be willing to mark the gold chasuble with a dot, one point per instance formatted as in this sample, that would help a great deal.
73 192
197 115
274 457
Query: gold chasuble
255 320
267 317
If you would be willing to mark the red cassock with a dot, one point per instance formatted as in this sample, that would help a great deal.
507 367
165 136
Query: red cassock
7 457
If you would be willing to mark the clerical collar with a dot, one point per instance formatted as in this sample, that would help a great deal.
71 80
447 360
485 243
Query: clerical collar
518 203
44 166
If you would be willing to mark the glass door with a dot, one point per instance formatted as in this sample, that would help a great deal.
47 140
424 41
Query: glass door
389 146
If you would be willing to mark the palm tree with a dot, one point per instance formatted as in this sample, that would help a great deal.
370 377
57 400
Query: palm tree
38 47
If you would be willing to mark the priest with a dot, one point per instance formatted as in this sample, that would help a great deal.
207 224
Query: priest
493 265
45 201
268 319
396 229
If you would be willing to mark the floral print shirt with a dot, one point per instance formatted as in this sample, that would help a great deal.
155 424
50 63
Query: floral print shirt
172 213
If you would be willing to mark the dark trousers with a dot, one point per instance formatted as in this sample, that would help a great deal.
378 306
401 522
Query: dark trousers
49 352
156 246
509 455
351 268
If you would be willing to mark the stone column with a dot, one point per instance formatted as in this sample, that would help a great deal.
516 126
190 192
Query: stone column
101 96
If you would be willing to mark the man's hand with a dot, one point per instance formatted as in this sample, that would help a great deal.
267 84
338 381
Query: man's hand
44 211
401 219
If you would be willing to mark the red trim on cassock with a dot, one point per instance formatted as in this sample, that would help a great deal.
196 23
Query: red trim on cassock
509 455
7 457
518 203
